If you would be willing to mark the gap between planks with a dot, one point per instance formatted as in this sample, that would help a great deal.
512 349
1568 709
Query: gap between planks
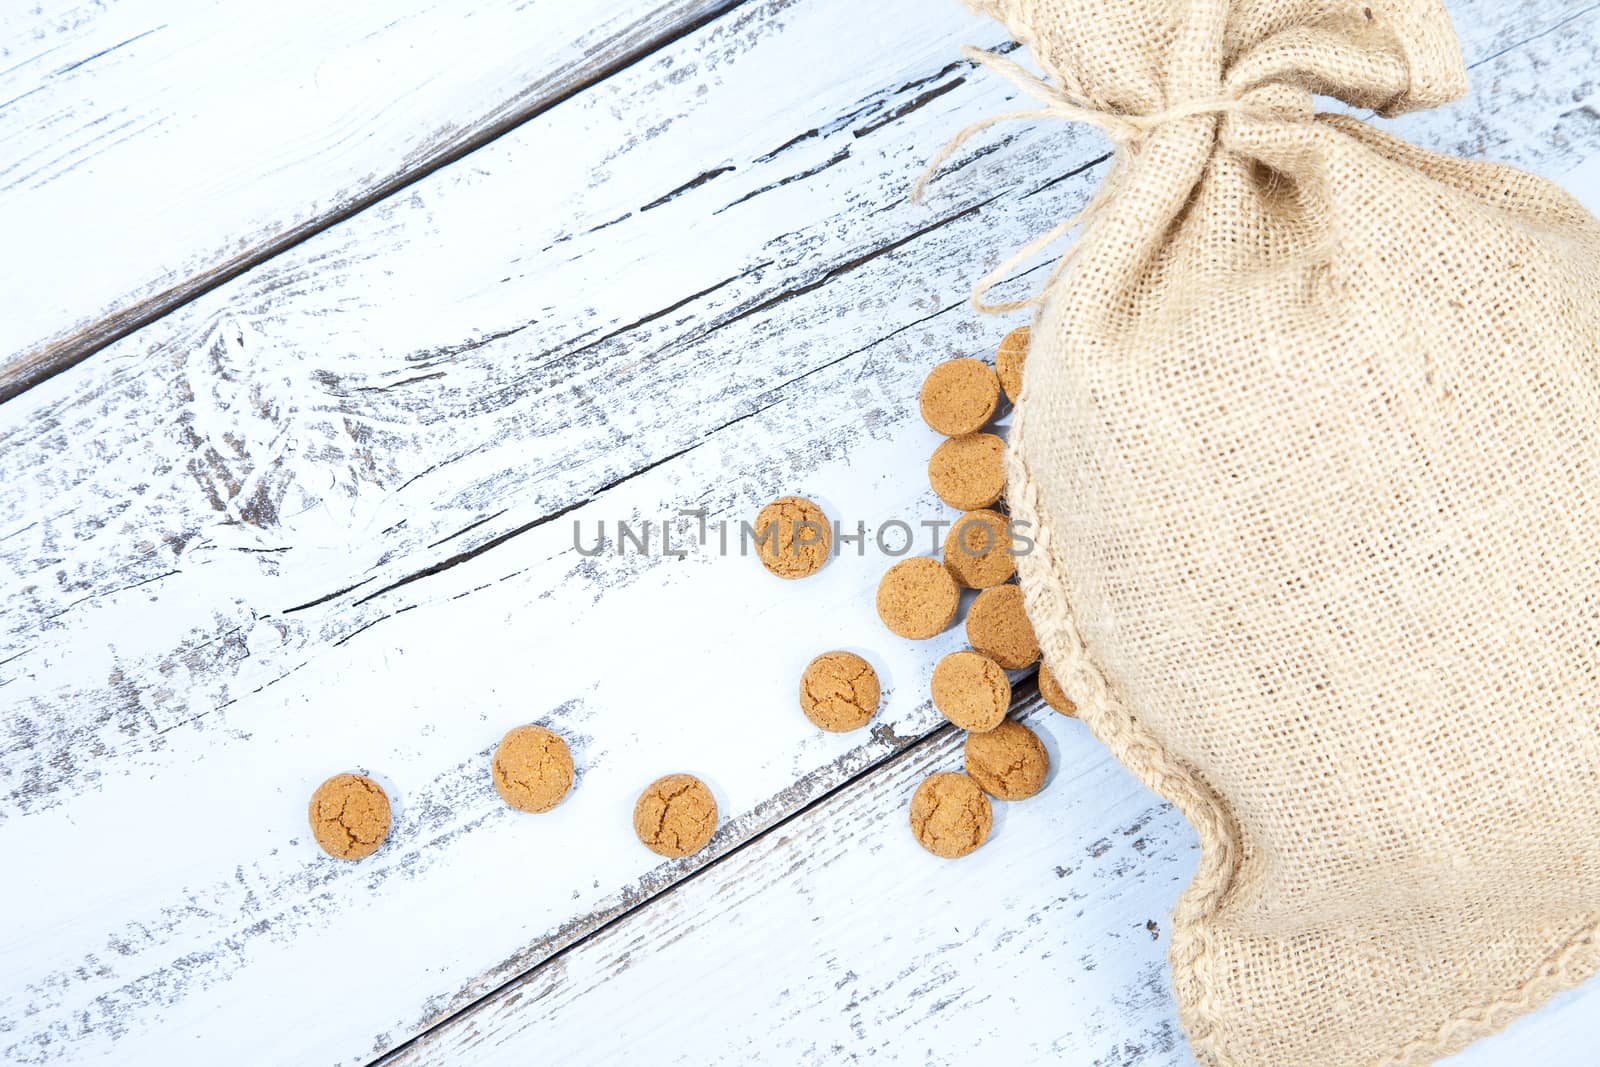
407 608
23 371
1023 704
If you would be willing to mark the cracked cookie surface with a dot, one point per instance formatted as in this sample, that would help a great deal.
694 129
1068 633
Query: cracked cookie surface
839 691
801 542
349 816
950 815
675 816
1009 762
971 691
532 768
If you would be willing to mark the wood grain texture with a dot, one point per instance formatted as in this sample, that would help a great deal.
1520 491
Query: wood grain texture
153 149
1047 945
321 517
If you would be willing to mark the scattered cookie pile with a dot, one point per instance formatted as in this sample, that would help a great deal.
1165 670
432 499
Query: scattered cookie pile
676 815
950 812
532 770
919 598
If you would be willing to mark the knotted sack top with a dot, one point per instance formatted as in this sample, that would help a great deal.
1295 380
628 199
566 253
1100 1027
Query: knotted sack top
1147 70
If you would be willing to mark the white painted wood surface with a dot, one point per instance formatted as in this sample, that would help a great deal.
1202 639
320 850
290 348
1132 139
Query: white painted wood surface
148 145
836 935
319 518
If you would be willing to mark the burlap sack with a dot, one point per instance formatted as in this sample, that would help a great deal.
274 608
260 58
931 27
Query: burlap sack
1310 435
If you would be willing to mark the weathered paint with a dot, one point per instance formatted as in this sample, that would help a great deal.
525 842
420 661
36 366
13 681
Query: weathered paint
319 518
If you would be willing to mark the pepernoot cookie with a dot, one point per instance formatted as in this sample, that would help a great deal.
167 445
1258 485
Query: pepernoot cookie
839 691
969 471
1008 361
349 815
950 815
1050 690
532 768
793 537
971 691
675 816
918 598
998 627
959 396
978 549
1009 762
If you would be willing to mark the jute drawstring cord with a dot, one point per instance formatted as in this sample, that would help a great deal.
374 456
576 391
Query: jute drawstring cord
1124 131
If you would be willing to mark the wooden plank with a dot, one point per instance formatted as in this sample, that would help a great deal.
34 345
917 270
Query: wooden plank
374 408
1047 945
309 447
319 518
647 665
153 150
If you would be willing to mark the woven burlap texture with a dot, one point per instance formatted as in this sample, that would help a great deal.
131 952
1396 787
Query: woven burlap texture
1309 437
